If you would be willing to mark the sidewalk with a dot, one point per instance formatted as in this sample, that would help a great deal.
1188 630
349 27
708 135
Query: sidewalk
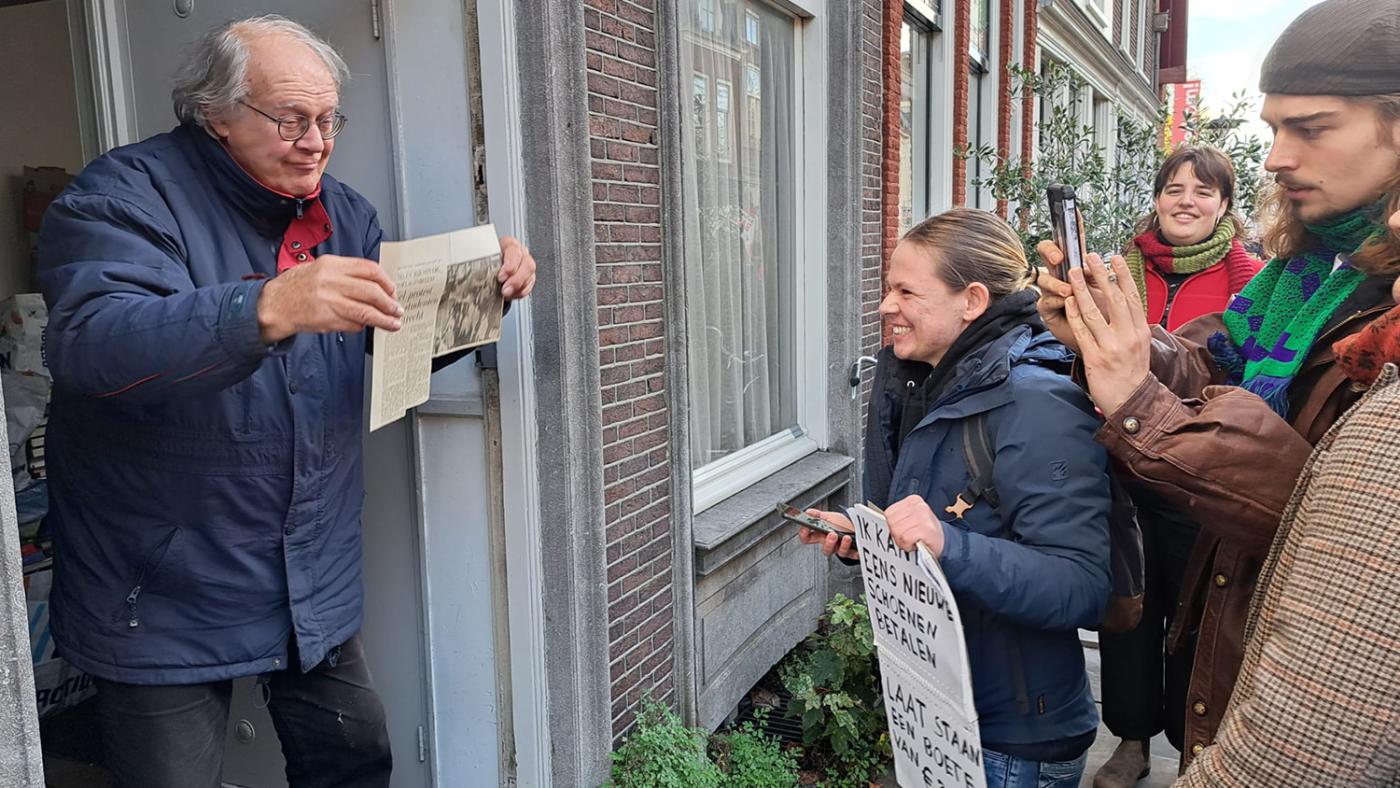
1164 755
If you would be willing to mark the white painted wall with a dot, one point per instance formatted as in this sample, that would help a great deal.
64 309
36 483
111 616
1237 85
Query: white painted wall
38 118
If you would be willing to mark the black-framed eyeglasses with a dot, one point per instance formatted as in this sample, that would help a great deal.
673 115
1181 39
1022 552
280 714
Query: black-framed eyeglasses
295 127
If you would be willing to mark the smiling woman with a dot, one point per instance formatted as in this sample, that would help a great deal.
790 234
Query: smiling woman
1187 259
1028 558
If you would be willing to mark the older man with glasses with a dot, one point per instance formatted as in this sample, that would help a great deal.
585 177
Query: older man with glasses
209 291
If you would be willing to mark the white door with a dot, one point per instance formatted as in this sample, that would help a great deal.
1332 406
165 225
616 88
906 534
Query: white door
156 33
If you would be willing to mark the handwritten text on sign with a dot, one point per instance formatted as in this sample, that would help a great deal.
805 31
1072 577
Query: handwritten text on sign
923 663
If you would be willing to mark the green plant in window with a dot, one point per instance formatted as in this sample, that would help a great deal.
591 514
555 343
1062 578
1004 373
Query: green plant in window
833 677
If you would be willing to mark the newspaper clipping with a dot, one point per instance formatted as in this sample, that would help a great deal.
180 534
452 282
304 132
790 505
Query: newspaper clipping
923 661
451 300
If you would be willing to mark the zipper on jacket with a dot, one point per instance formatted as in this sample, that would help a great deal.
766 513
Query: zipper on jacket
157 555
301 205
132 620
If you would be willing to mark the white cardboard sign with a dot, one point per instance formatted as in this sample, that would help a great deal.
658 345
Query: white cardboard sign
923 661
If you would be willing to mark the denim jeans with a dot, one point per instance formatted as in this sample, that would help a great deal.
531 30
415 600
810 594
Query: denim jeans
1008 771
330 723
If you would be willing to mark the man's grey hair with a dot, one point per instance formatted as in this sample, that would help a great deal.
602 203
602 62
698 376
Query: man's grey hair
214 76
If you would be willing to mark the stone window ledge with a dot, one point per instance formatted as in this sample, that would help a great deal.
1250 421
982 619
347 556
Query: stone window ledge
732 526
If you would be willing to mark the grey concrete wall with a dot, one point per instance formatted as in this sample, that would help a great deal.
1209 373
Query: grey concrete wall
21 762
559 230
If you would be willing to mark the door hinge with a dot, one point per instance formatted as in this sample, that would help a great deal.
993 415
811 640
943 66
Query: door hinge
422 745
374 20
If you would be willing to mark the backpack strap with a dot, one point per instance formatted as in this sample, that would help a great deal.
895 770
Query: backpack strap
980 456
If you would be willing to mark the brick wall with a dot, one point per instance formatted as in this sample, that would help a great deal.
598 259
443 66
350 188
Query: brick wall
886 90
1031 25
622 127
962 38
1006 27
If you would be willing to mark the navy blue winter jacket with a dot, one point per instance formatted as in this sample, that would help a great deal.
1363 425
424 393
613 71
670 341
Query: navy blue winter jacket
1027 574
206 487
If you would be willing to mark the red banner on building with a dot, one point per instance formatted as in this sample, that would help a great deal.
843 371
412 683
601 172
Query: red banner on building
1179 97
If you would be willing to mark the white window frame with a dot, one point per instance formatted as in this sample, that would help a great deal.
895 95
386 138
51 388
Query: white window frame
1140 35
1125 29
922 150
724 144
751 28
1098 11
702 129
716 481
708 16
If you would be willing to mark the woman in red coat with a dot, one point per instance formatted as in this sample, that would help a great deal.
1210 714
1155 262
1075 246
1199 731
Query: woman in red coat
1187 261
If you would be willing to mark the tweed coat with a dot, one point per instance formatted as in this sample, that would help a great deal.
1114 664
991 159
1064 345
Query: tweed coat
1317 702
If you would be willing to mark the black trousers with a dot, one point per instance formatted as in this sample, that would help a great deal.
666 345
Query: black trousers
330 723
1144 688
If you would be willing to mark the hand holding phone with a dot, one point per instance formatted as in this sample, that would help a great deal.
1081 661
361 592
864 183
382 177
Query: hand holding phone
821 532
1067 227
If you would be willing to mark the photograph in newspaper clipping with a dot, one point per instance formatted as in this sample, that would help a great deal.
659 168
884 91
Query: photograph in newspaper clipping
924 668
451 300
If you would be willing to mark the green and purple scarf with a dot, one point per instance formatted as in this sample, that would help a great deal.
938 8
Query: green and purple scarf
1274 321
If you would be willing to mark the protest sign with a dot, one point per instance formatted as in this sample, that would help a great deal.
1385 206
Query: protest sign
923 661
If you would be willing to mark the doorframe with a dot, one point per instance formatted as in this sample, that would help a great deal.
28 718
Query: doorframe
505 177
102 74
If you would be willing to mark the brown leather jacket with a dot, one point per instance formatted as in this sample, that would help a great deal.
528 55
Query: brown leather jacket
1222 453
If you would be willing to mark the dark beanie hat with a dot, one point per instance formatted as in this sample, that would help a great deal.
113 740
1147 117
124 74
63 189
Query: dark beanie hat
1337 48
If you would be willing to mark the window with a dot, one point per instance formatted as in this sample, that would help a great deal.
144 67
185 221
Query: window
980 96
915 88
981 45
708 15
1099 13
756 349
722 120
1141 33
753 104
699 112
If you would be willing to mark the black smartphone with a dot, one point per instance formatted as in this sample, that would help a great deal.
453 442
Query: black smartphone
1067 226
795 515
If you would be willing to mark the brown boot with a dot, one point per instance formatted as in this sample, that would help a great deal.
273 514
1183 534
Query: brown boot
1128 765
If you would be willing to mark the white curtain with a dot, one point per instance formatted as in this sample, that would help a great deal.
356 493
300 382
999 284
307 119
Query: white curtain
739 225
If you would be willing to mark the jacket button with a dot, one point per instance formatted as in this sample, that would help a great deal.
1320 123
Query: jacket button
1199 708
301 257
1196 748
1221 581
296 244
289 530
292 386
1131 425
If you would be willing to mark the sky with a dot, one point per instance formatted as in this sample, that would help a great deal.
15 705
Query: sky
1226 43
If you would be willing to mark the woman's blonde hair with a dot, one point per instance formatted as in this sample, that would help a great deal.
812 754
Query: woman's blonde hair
974 246
1285 235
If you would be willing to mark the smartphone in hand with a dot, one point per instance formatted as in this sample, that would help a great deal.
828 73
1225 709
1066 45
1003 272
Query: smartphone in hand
1067 226
795 515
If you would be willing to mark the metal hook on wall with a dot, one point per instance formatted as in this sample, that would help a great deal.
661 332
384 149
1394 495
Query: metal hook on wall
857 367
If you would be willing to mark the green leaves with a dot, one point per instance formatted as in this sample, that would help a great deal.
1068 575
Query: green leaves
834 681
1114 177
661 752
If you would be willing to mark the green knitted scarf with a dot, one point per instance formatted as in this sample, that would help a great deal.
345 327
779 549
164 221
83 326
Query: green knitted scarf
1273 323
1185 259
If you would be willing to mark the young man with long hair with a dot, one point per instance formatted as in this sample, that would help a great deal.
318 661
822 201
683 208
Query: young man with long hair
1221 415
